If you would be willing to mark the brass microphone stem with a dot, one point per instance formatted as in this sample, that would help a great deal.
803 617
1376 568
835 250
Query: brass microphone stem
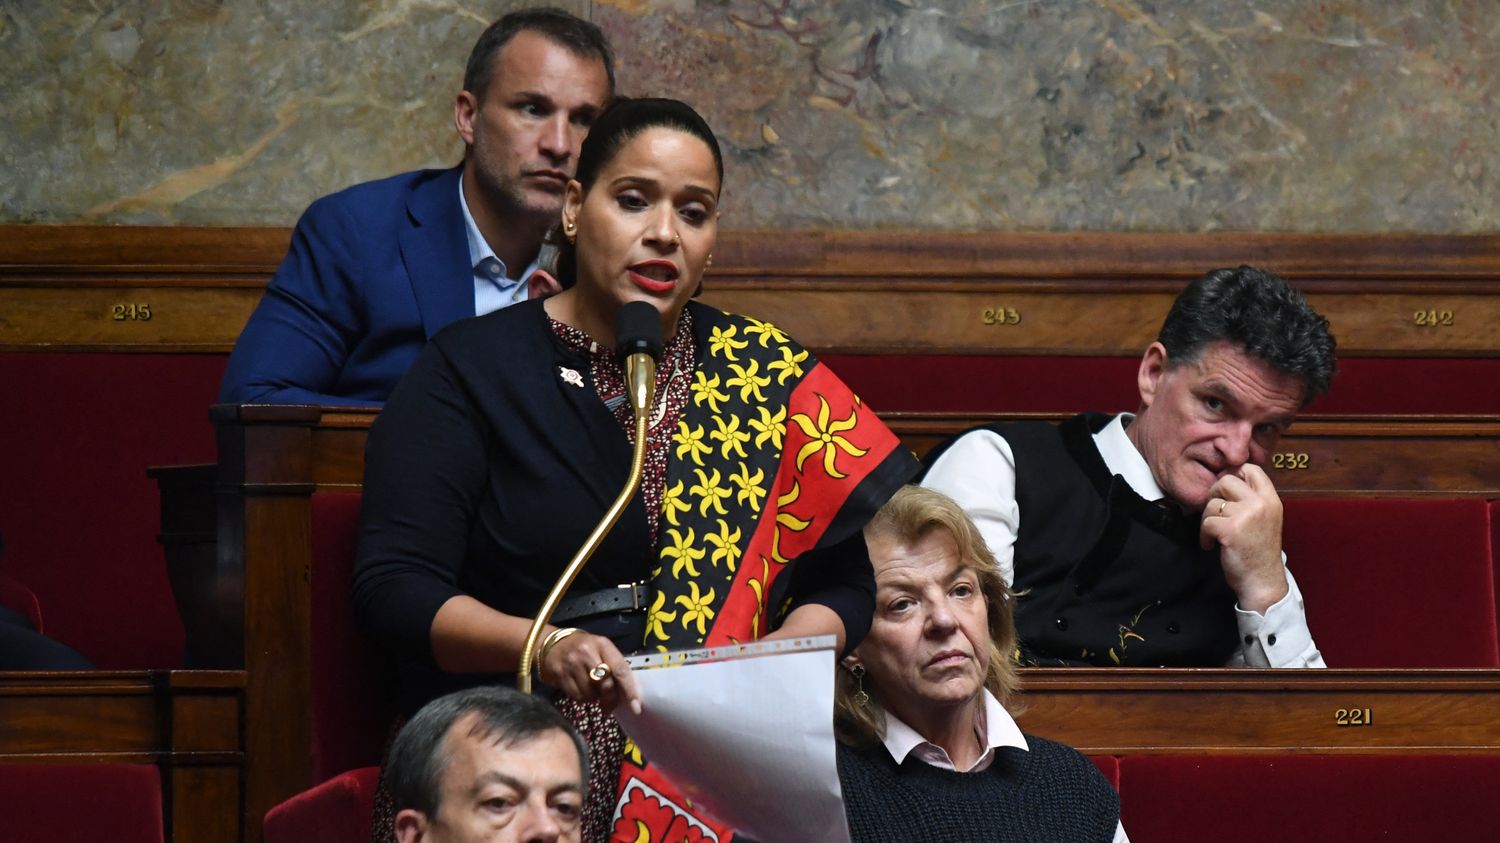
640 384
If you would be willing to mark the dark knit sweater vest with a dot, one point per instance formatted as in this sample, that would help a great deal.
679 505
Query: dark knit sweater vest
1108 578
1049 793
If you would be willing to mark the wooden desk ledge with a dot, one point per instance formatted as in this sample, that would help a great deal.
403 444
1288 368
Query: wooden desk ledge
1130 711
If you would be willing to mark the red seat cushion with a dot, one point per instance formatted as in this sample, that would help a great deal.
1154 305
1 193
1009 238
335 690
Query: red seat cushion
1109 766
351 712
81 803
78 512
15 596
1495 554
336 811
1396 583
1319 799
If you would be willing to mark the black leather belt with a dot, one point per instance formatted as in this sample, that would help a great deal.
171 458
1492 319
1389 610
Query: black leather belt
628 597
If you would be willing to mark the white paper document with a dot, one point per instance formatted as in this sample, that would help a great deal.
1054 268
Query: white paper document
746 731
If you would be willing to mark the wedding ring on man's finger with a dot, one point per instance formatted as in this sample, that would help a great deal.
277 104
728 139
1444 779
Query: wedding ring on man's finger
1222 503
599 673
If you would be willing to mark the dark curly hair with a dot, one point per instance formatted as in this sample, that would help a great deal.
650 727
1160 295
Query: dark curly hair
1259 312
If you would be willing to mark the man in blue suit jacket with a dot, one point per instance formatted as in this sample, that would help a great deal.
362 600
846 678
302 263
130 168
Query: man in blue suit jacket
375 270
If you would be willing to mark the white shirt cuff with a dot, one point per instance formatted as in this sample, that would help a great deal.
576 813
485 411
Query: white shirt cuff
1280 637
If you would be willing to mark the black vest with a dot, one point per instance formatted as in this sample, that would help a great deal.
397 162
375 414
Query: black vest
1107 577
1049 793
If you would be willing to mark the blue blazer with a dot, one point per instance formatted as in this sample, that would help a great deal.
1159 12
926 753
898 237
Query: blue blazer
372 273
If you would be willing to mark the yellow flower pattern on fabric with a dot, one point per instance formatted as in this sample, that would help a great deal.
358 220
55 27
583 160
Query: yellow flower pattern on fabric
672 502
824 436
751 488
658 617
710 494
729 453
682 552
785 519
698 607
765 331
790 364
721 342
726 544
770 426
749 382
730 434
691 442
758 585
706 389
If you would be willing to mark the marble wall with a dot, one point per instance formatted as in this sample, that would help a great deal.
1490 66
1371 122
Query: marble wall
1183 115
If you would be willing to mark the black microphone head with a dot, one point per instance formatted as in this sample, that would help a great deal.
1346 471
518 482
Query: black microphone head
638 330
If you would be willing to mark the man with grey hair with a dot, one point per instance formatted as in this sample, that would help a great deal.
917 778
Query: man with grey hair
488 764
1154 538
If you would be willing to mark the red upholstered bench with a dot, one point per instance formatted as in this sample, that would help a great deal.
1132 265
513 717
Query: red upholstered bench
351 714
15 596
1320 799
81 803
1396 583
77 511
1109 766
336 811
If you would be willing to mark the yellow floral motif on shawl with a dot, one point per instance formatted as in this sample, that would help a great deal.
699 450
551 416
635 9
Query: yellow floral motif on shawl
727 451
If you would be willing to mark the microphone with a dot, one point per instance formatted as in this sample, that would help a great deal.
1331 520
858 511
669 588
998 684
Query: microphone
638 343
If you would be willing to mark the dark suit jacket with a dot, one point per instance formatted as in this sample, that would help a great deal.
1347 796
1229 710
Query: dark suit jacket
372 273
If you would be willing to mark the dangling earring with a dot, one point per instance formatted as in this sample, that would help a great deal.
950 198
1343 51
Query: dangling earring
708 264
860 697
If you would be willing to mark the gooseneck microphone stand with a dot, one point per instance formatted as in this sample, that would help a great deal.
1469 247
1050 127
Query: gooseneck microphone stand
638 342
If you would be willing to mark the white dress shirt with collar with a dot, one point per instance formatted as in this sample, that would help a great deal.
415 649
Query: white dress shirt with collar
995 728
979 472
493 286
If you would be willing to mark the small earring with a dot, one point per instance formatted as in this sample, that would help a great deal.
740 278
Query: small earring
710 262
860 697
568 229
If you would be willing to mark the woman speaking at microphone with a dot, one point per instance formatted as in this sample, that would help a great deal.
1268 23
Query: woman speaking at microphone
508 440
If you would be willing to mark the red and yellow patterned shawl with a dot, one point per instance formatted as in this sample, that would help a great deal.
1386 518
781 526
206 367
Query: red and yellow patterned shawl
773 456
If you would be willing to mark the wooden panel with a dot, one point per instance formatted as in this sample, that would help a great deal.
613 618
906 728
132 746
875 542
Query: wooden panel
899 291
126 317
186 722
1018 317
197 803
1132 712
1391 456
98 715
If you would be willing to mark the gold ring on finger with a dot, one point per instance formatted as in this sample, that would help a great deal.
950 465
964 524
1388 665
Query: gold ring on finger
600 672
1222 504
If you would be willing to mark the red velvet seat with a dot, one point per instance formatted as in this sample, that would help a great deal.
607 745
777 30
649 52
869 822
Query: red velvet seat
351 713
81 803
1396 583
336 811
15 596
1109 766
1318 799
79 514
